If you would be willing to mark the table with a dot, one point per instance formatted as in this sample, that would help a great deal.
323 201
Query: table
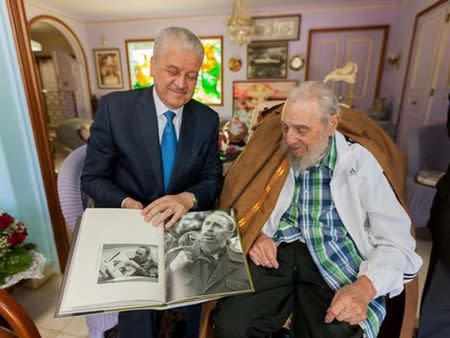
429 177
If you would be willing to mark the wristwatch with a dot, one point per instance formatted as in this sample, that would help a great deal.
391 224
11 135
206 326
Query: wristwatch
194 199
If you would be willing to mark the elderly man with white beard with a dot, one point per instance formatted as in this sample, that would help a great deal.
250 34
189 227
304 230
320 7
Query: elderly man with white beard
336 242
210 265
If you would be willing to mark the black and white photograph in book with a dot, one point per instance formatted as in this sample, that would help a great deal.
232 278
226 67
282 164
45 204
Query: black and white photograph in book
126 262
267 60
204 256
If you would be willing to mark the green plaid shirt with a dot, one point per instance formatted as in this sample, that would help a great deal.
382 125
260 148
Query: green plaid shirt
313 219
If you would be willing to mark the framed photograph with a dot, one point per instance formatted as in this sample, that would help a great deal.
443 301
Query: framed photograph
247 94
209 88
139 53
272 28
108 68
267 60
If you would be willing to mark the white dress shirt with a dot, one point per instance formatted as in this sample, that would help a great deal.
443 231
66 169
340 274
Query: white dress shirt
161 108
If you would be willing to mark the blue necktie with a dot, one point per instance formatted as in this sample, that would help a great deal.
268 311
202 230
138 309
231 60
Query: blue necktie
168 148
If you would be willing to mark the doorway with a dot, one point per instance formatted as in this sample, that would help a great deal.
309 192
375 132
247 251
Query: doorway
330 48
427 86
61 67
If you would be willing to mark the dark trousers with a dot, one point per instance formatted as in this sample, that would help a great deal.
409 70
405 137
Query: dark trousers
296 286
435 309
145 323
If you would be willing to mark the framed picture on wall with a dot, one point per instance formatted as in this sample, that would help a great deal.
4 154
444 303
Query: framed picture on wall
209 88
139 53
267 60
108 68
273 28
247 94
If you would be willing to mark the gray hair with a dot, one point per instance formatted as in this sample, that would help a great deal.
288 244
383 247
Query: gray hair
184 39
146 248
230 223
315 91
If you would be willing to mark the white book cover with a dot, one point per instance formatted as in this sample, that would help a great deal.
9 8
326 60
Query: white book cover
120 262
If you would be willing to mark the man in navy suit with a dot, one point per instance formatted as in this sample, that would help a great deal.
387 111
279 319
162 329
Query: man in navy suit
156 149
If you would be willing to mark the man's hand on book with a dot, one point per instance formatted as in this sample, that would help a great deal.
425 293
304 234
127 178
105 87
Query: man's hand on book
129 203
264 252
168 209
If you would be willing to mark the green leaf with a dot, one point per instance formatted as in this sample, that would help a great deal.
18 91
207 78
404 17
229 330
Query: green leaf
30 246
2 278
19 259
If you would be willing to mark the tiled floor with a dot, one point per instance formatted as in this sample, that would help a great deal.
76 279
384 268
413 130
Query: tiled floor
40 303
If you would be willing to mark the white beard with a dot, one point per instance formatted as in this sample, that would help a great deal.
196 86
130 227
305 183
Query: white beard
312 157
211 247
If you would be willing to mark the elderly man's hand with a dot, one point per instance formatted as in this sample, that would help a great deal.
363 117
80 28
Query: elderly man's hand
349 304
169 207
264 252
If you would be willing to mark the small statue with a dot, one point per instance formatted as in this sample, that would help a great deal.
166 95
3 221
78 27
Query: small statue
347 74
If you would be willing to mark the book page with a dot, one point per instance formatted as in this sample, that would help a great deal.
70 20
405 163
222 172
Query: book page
117 261
204 258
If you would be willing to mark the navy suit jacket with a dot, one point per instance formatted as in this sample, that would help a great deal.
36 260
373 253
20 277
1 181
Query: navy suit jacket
123 157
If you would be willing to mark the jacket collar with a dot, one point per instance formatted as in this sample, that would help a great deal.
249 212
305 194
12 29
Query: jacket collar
344 152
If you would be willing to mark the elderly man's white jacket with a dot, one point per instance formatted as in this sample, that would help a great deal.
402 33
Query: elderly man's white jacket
372 214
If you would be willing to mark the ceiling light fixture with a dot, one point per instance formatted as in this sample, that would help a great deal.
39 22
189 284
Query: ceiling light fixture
240 25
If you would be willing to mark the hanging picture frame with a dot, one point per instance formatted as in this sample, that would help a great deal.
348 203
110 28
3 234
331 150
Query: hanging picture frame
248 94
139 53
277 28
267 60
108 68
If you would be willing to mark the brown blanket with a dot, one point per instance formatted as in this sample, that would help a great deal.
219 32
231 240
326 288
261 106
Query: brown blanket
255 179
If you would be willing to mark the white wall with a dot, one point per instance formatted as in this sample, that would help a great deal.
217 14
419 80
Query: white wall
116 32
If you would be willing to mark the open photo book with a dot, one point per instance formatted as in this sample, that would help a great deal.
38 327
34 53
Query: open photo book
119 262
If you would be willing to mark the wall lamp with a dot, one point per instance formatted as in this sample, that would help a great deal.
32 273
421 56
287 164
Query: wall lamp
394 59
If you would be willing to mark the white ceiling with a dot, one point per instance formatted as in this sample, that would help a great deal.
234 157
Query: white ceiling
103 10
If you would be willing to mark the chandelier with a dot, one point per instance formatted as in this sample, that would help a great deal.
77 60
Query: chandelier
240 25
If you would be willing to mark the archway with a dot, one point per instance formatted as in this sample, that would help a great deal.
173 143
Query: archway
84 99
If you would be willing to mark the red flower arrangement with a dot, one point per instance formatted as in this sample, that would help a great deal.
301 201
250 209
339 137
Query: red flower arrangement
14 255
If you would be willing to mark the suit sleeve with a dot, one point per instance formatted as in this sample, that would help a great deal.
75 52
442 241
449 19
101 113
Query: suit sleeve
211 179
100 162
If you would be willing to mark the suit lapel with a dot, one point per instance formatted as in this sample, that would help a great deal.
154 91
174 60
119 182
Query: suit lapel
184 148
148 125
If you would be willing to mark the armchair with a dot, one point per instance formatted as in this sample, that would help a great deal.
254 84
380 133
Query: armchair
19 322
401 310
73 203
